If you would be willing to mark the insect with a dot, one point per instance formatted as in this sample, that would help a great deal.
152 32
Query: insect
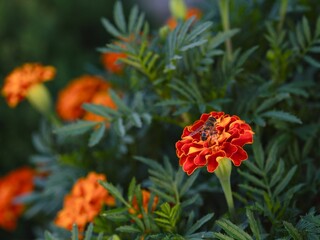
207 129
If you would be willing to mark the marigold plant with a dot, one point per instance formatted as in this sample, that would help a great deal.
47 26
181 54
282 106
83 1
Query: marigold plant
18 83
15 184
84 202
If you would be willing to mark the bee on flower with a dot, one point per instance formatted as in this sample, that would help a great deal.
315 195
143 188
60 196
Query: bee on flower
214 136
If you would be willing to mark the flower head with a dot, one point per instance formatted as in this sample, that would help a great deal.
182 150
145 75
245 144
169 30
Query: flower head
84 203
18 83
214 136
191 12
81 90
145 203
14 184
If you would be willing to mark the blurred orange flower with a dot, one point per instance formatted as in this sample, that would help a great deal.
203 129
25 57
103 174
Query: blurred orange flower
145 202
100 98
191 12
215 136
111 63
84 202
81 90
21 79
14 184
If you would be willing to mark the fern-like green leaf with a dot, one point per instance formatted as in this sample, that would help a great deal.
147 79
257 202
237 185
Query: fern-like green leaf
283 116
233 230
74 129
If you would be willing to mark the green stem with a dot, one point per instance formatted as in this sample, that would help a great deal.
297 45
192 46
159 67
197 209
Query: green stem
224 12
223 172
282 13
226 187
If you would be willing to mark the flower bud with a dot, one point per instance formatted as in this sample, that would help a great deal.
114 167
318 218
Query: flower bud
39 97
178 9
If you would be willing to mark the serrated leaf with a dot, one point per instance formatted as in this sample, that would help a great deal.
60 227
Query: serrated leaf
119 127
252 189
136 119
198 30
101 110
97 134
315 49
312 61
277 175
75 234
284 183
271 102
199 223
119 16
133 18
114 191
89 231
110 28
222 236
272 157
284 116
116 215
221 37
193 45
187 185
258 152
139 24
294 233
77 128
233 230
118 101
241 60
128 229
254 168
49 236
306 29
253 179
253 224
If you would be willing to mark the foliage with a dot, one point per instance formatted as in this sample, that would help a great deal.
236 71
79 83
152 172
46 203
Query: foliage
268 76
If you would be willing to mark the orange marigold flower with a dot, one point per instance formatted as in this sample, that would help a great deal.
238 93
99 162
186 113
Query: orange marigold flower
215 136
100 98
81 90
191 12
21 79
15 184
111 63
145 202
84 202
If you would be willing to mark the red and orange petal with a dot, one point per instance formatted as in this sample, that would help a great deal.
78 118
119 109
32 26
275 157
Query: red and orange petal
15 184
81 90
84 202
100 98
231 135
21 79
111 61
